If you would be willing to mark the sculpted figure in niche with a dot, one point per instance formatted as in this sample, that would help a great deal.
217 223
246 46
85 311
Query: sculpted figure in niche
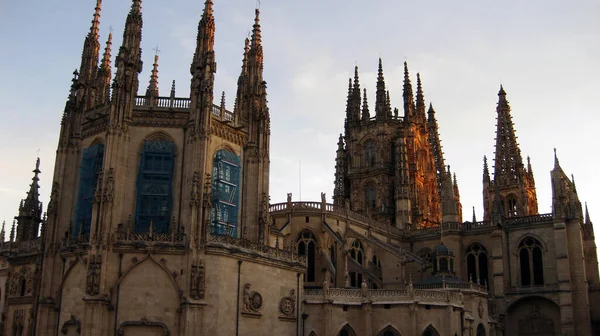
197 282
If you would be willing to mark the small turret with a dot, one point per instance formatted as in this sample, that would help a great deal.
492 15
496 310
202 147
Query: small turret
356 101
3 232
565 201
436 146
402 193
30 210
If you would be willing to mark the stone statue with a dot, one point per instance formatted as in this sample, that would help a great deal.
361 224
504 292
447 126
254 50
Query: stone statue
326 287
364 288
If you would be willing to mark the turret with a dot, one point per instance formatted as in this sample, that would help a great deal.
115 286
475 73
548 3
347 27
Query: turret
450 209
30 210
340 184
382 107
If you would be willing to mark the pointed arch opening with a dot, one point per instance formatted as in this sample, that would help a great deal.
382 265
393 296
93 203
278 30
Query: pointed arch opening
89 170
430 331
477 264
357 253
155 186
389 331
481 330
531 263
347 331
225 193
307 245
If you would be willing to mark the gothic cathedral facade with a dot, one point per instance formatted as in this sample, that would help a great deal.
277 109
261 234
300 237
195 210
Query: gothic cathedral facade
159 220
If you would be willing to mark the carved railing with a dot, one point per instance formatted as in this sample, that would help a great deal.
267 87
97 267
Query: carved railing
344 296
436 229
24 247
254 247
460 286
151 238
163 102
223 115
477 226
533 289
535 219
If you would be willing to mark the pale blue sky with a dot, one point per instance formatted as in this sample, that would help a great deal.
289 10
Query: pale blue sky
544 52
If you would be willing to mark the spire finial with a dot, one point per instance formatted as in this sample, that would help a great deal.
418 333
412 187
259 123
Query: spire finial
409 104
588 221
152 90
256 34
341 142
96 21
420 106
474 218
173 89
223 101
382 109
136 7
365 108
556 163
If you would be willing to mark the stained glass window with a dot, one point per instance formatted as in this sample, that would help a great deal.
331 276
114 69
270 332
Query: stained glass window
225 193
91 165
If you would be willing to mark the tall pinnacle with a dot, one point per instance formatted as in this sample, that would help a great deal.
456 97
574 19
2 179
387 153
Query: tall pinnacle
508 165
256 34
408 96
486 170
104 73
382 112
587 221
420 105
91 49
365 109
30 210
152 90
436 146
205 40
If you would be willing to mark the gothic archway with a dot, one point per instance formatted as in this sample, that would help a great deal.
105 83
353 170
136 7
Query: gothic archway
481 330
389 331
430 331
533 316
307 245
347 331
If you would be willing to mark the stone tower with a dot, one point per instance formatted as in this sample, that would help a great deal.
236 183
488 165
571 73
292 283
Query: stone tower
513 186
391 167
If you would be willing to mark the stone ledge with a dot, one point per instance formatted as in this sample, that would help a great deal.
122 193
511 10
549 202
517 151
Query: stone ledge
287 318
252 314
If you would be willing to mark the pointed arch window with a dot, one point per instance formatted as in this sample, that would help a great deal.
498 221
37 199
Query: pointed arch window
357 253
511 204
225 193
154 186
307 243
430 331
531 262
389 331
89 169
477 264
347 331
370 154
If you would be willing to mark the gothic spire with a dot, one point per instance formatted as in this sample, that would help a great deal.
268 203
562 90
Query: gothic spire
356 101
365 108
130 53
436 145
91 49
30 210
256 50
205 40
152 90
3 232
486 170
349 115
382 110
104 73
508 164
173 89
420 105
409 103
474 217
587 221
242 81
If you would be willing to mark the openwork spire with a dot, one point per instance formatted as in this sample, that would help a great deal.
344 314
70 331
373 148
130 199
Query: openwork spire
409 103
365 108
256 34
382 110
356 101
436 146
205 40
30 209
508 164
152 90
486 170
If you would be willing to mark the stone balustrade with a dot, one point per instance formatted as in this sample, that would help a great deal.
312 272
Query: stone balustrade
386 296
252 247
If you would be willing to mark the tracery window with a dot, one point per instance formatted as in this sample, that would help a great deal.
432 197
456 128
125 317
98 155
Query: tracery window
91 165
225 193
511 203
155 186
370 196
307 243
531 262
357 253
477 264
370 154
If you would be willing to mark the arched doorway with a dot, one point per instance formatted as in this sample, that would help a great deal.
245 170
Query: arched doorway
389 331
481 330
533 316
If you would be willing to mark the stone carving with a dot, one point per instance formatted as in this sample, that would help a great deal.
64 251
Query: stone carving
195 193
110 186
252 300
98 194
480 309
19 322
536 323
52 205
144 322
72 322
364 288
326 287
197 282
21 283
93 276
287 306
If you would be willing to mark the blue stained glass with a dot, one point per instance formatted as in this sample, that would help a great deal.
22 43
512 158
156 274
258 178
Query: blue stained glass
91 165
154 187
225 193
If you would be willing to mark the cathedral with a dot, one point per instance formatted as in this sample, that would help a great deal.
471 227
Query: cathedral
160 223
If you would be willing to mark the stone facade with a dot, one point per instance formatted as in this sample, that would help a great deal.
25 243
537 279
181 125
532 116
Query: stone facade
159 220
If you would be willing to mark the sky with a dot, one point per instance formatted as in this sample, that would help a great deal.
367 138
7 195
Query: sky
544 52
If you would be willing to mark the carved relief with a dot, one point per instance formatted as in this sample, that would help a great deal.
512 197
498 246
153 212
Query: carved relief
21 283
536 323
252 300
480 309
195 193
110 186
18 322
70 323
197 282
93 275
287 306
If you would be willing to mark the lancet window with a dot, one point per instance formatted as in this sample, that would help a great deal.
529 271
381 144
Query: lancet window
307 243
370 153
477 264
370 196
91 165
155 186
225 193
357 253
531 262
